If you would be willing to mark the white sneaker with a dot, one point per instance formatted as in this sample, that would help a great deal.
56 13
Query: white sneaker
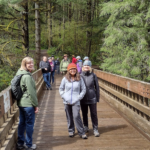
84 136
33 147
71 134
96 133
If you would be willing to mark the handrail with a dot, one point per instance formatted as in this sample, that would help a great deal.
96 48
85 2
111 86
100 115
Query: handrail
130 97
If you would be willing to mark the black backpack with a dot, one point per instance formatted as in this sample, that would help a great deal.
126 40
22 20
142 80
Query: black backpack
15 87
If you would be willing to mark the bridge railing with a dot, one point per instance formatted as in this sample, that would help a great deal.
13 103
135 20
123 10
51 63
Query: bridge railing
128 96
9 114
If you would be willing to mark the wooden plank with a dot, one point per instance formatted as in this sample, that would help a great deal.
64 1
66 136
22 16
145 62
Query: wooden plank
1 106
40 88
39 82
11 139
8 125
127 99
139 121
136 86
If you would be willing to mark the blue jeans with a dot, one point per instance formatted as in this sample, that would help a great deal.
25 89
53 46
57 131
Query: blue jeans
26 123
46 77
52 76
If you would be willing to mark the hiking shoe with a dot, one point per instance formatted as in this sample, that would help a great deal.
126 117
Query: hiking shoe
86 129
20 147
33 147
84 136
71 134
96 133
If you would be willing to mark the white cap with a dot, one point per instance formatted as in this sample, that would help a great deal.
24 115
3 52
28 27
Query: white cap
78 57
86 58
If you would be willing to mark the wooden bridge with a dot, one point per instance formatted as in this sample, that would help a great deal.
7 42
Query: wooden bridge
123 117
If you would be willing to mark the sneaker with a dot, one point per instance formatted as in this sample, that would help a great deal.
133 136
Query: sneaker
96 133
84 136
33 147
71 134
20 147
86 129
50 88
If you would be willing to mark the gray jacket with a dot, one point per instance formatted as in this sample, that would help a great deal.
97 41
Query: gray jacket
72 92
92 88
44 65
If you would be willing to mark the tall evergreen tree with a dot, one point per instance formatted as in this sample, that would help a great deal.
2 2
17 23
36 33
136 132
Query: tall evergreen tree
126 43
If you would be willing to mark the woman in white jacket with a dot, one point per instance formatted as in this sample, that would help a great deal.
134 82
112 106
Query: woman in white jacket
72 90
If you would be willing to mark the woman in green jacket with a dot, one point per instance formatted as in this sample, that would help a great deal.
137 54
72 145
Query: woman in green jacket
27 105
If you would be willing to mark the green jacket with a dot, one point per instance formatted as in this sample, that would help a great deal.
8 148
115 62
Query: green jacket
63 65
29 98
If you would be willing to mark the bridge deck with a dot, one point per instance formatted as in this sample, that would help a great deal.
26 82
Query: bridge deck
50 132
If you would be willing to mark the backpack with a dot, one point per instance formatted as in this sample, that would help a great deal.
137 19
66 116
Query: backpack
16 88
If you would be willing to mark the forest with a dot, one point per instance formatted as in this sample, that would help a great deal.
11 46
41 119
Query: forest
115 34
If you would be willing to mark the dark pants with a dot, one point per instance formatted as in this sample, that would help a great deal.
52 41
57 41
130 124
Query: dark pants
73 113
52 76
46 77
26 123
58 69
93 110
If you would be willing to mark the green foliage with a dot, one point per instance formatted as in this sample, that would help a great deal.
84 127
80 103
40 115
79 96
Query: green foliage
126 38
6 74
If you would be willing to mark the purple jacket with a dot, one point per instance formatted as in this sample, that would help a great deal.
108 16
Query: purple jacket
79 68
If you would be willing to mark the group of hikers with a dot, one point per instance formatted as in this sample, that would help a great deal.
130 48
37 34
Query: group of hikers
50 65
79 89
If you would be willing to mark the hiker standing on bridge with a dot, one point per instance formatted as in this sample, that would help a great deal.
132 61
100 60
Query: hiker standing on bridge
72 90
57 63
91 97
27 105
74 60
79 64
64 64
53 67
86 58
46 70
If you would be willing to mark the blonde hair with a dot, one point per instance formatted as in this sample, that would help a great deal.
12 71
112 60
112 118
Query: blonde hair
25 61
90 69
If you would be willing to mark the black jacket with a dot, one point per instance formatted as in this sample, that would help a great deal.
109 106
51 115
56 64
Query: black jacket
92 88
44 65
57 63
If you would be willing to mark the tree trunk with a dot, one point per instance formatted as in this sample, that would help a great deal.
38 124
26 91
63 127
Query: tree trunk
88 32
49 27
25 29
63 25
60 28
69 14
37 34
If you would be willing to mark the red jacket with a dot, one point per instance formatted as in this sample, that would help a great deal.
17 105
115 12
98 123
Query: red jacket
74 60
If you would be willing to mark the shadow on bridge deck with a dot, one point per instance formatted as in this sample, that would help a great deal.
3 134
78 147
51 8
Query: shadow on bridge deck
50 132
